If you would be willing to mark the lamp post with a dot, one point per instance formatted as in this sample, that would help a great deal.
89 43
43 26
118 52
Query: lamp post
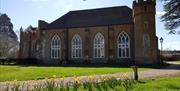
161 41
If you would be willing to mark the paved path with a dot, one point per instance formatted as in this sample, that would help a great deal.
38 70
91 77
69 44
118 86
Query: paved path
172 70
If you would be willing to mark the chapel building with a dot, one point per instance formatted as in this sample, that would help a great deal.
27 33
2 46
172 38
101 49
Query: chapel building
103 35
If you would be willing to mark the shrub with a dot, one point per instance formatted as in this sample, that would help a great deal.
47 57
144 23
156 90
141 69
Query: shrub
26 61
19 61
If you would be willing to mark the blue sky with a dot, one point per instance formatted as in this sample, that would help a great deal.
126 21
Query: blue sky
28 12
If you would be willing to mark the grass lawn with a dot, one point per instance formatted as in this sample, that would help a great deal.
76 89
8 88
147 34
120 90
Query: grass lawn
158 84
178 62
174 62
154 84
20 72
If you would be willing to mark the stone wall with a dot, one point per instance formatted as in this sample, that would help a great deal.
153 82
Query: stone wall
87 35
144 25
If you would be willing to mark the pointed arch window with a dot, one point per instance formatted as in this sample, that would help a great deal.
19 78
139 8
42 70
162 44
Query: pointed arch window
99 46
76 46
146 44
146 41
123 42
55 47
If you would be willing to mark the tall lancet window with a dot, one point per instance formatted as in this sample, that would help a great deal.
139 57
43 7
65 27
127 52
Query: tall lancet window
123 45
146 41
99 46
76 46
55 47
146 44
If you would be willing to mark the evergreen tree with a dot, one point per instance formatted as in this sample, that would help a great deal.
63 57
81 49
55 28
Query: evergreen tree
172 15
8 38
6 27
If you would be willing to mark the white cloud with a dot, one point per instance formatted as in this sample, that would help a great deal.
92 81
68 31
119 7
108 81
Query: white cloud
160 12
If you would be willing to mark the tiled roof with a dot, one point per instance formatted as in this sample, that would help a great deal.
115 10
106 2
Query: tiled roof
94 17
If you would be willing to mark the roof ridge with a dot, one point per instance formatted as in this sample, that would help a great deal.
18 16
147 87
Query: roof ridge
99 8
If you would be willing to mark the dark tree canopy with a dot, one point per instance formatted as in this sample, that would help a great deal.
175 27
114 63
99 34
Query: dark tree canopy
8 38
6 27
172 15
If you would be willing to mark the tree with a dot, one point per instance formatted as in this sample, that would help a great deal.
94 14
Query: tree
172 15
7 45
8 38
6 27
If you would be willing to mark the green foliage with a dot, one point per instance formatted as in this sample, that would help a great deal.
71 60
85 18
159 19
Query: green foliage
172 15
50 85
128 84
5 21
8 38
76 86
110 83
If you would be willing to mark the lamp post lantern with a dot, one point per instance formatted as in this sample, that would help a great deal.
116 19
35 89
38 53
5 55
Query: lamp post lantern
161 41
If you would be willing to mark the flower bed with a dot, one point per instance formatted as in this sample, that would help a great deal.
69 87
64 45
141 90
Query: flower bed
91 83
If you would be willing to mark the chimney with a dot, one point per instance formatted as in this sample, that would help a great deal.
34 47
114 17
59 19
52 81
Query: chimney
42 24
